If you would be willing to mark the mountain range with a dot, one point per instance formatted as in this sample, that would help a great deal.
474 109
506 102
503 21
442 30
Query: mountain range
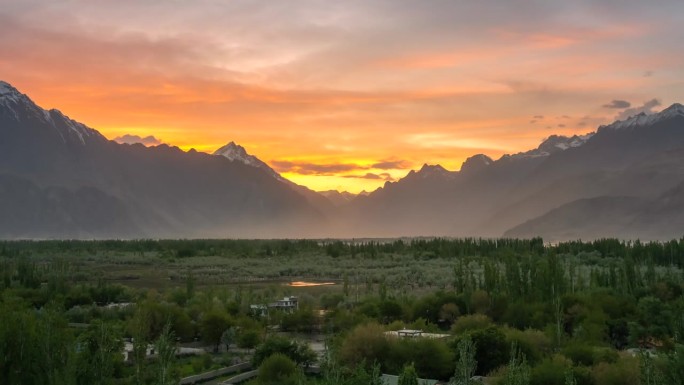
62 179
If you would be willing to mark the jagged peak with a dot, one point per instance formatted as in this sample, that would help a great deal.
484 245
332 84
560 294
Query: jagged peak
432 170
6 88
476 163
432 167
9 93
231 148
236 153
643 119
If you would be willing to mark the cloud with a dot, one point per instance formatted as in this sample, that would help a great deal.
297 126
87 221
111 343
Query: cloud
533 121
646 108
392 165
328 169
618 104
538 117
561 126
382 176
133 139
305 168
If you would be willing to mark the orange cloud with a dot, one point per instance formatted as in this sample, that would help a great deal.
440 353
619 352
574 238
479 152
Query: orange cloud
340 113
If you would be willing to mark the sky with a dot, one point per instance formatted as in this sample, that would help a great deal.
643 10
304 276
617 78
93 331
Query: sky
350 94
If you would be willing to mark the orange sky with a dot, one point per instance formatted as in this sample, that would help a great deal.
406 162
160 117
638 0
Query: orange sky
346 95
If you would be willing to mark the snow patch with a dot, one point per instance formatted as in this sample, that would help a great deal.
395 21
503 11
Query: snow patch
643 119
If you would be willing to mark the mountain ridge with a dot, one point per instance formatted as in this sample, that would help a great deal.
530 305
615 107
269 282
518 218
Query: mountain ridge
60 178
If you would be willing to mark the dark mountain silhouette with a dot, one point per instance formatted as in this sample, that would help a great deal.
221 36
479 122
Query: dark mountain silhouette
63 179
636 160
236 153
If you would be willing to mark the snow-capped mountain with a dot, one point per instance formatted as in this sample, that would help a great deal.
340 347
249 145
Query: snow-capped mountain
644 120
59 178
237 153
553 144
609 169
20 109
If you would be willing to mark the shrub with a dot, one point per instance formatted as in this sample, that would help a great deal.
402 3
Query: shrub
277 369
471 322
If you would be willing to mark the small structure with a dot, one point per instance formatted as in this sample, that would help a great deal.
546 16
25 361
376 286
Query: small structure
411 333
287 304
258 310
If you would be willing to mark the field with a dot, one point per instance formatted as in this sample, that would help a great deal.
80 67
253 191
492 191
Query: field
585 311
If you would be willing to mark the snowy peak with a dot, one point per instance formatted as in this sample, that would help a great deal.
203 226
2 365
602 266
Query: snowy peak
237 153
10 97
7 89
72 128
554 144
644 120
21 109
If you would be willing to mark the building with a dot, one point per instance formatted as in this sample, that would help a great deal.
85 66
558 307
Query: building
258 310
410 333
287 304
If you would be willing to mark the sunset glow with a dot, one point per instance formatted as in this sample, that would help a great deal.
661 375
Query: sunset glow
346 95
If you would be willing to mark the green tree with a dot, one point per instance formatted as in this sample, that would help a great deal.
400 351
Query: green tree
366 343
139 327
299 353
650 375
570 378
212 326
228 337
408 376
99 353
517 372
166 355
248 339
277 369
466 363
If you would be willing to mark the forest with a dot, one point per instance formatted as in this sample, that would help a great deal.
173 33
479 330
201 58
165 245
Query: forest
493 311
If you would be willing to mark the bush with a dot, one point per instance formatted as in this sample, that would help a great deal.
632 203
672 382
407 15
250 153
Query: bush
534 344
623 372
277 369
299 353
471 322
492 349
248 339
551 371
366 343
580 354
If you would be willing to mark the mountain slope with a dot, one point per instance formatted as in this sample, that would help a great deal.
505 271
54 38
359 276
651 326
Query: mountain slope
161 191
237 153
640 158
